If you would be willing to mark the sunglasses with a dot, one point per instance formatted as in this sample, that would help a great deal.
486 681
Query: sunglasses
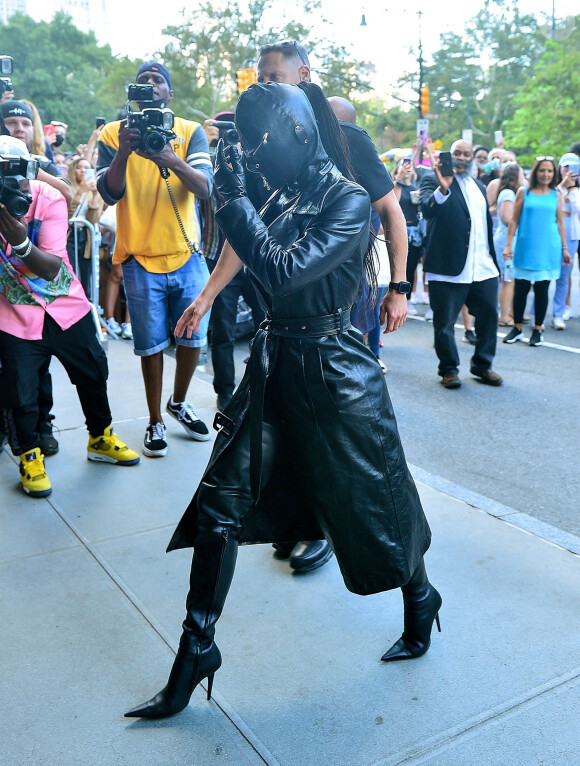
546 157
298 51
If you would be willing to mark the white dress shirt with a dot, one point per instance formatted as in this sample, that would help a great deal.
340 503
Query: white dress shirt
479 264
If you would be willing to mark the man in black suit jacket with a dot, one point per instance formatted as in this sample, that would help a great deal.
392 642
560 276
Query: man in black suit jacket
460 264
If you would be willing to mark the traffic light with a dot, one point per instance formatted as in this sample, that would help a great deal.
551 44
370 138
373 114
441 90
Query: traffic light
424 100
245 77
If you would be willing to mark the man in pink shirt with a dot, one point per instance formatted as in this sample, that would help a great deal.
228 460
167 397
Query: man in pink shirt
44 312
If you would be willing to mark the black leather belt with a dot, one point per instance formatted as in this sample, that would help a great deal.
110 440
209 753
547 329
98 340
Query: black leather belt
307 327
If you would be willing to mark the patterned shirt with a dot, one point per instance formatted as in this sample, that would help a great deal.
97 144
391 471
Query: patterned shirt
25 297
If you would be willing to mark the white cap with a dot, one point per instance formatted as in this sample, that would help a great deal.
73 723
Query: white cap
13 147
569 159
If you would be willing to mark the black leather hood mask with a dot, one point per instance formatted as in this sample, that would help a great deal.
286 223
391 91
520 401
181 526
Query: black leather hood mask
279 134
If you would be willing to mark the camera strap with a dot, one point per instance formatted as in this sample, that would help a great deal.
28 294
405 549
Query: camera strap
192 244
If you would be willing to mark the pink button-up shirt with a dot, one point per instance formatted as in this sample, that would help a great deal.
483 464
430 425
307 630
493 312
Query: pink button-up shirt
47 228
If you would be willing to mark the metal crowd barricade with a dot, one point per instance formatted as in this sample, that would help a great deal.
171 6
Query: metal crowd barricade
77 223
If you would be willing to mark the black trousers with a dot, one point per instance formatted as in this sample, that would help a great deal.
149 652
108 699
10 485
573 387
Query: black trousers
24 362
446 300
222 326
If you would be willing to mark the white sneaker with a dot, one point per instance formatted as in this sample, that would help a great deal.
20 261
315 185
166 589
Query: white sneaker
414 298
411 310
425 298
558 323
126 332
113 326
429 315
567 313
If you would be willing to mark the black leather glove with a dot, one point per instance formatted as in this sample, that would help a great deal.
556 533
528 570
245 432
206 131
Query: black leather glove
229 181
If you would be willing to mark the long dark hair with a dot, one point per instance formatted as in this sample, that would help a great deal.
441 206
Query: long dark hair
336 146
534 175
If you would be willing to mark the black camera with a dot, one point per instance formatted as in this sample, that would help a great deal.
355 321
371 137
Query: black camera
154 124
6 84
12 171
228 132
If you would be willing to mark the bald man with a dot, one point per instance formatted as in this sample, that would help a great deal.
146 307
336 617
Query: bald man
343 109
460 264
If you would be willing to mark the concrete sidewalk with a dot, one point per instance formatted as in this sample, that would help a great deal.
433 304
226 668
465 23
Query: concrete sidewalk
91 609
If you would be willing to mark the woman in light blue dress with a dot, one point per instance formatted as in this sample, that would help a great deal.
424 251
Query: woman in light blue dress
540 248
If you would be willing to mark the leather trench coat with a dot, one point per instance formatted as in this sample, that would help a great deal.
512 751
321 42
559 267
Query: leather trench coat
339 469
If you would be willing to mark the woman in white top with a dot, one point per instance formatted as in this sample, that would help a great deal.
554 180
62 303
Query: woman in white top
570 194
512 177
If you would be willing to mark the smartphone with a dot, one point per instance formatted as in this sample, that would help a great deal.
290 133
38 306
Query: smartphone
99 122
498 137
89 174
49 131
446 164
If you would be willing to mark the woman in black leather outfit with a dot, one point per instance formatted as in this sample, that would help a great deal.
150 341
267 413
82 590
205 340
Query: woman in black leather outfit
308 446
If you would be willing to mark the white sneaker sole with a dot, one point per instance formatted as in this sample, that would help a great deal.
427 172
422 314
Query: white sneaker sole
154 452
107 459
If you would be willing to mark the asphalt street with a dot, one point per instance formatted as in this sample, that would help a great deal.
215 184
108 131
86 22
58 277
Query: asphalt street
515 444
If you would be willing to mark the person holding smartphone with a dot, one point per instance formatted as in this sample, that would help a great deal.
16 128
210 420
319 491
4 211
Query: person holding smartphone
460 262
569 173
86 203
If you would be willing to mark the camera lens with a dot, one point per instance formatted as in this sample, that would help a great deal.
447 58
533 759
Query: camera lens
231 137
153 141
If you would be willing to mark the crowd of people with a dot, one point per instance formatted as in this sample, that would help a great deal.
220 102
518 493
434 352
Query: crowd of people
179 223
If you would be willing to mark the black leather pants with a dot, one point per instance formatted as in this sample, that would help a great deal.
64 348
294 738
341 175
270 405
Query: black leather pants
224 496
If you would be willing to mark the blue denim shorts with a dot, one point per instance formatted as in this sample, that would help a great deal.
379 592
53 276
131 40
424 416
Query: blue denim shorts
157 301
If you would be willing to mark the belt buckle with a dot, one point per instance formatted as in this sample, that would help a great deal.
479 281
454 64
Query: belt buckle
223 424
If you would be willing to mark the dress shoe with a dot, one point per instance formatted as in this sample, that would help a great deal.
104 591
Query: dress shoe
487 376
310 555
450 380
283 550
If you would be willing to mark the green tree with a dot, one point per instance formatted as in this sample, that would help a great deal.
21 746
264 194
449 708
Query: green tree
213 42
492 58
65 73
546 118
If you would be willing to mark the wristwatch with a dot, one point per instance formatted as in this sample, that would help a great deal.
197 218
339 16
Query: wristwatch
400 287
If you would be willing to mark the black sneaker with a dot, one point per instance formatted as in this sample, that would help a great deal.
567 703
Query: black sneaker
48 444
514 334
154 444
470 337
186 417
537 338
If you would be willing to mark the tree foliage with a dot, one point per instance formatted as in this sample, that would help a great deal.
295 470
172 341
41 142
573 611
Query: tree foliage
65 73
216 40
546 118
493 58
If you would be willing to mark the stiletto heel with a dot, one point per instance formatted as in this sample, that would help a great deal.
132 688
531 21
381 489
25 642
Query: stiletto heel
192 665
422 603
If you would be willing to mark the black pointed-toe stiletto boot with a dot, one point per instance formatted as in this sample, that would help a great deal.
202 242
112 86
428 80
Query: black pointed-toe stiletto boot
421 605
198 657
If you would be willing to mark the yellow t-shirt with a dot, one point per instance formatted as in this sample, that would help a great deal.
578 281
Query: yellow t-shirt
147 227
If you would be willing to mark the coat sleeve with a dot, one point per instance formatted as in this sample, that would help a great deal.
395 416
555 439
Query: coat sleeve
328 241
429 206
